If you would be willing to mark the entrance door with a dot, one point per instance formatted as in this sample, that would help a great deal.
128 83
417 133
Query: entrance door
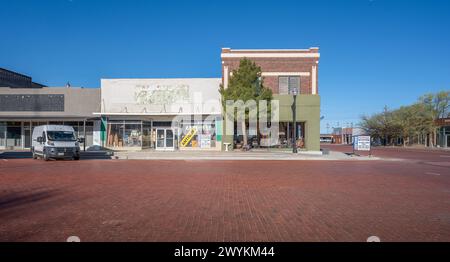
164 139
448 140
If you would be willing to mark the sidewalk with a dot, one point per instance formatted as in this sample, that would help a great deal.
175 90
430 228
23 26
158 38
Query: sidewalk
234 155
200 155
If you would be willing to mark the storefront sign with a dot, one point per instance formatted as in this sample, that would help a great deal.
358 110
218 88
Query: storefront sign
188 137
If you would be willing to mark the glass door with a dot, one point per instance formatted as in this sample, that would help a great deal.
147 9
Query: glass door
160 139
164 139
169 139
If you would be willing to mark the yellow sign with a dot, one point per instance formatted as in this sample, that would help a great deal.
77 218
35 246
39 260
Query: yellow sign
188 137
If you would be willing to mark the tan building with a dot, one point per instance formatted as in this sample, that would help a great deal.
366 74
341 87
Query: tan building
21 109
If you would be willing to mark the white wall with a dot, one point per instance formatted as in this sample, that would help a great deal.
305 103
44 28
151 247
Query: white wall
161 96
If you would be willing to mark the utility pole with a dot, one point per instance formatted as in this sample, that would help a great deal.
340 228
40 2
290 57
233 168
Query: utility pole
294 92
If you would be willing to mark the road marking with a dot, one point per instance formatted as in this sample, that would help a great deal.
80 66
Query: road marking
444 156
5 160
431 173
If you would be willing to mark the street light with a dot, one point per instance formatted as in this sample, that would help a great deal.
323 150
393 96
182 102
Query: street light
294 92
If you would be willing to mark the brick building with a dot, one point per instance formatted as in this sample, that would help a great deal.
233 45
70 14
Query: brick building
284 69
443 133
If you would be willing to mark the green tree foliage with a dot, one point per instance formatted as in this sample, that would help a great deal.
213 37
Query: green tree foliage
409 122
246 83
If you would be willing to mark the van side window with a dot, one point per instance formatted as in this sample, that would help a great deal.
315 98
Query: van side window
44 138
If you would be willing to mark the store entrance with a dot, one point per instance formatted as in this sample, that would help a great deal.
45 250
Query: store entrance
165 139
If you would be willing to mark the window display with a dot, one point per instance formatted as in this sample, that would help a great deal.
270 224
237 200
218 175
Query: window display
198 134
124 134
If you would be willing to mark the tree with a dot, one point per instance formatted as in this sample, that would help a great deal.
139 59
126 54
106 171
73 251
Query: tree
246 83
409 121
436 106
381 125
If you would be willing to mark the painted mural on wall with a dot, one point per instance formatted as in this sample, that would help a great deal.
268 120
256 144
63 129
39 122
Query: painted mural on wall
161 94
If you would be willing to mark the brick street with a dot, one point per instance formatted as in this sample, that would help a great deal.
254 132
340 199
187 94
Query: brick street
197 200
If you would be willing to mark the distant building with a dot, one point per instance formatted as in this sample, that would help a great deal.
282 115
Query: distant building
345 135
15 80
443 134
326 138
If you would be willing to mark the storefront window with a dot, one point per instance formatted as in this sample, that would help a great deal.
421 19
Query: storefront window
147 135
132 135
124 134
199 134
2 134
13 134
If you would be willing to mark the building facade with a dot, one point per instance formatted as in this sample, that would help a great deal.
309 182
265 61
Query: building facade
345 135
21 109
284 69
161 114
443 133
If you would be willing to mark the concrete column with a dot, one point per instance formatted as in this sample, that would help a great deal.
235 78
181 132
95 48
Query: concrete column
314 80
84 134
225 77
22 135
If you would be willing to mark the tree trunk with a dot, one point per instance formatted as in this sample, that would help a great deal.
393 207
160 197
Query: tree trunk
435 137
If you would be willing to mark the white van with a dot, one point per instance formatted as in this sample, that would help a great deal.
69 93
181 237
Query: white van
55 141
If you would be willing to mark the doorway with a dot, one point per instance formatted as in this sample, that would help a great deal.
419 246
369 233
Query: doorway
165 139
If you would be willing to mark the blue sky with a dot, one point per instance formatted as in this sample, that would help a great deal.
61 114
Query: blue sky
373 52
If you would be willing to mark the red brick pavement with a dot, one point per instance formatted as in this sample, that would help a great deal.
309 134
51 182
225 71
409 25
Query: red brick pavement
419 154
132 200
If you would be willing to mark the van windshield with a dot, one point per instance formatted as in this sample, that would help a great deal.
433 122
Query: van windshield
61 136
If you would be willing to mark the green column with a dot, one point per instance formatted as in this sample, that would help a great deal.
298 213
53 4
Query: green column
103 131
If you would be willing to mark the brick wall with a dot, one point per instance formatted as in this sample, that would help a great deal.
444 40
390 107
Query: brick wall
278 64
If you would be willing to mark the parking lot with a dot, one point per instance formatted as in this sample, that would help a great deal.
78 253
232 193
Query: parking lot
198 200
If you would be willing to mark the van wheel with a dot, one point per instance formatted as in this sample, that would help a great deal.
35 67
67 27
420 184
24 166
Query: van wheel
45 155
33 154
76 158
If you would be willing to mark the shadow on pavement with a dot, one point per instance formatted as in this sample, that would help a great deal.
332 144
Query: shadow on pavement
83 155
15 154
17 199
